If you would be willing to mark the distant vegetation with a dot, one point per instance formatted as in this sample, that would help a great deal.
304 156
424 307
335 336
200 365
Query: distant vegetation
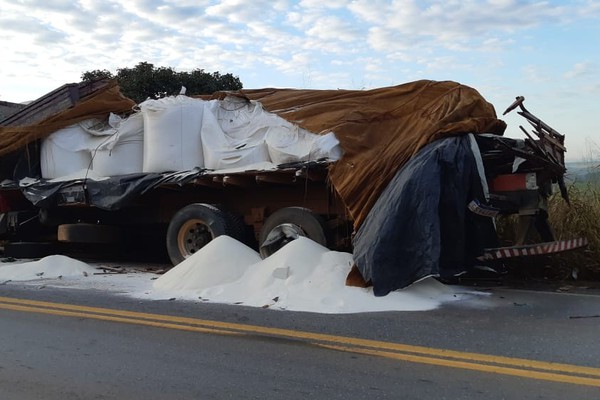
584 172
147 81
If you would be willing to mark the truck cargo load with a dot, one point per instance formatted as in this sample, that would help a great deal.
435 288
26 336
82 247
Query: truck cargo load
402 174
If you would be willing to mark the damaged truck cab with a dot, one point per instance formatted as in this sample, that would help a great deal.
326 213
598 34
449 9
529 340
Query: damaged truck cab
522 175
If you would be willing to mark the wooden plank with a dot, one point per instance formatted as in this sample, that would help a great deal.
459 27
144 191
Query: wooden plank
315 175
45 106
207 181
276 178
239 180
54 102
549 136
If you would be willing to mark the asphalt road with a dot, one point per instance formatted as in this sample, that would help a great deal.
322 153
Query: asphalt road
515 345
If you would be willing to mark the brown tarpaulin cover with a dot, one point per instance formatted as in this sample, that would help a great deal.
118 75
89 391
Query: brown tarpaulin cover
97 105
380 129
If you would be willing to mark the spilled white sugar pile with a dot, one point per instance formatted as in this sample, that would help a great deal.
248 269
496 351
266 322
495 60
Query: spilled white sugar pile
223 260
50 267
302 276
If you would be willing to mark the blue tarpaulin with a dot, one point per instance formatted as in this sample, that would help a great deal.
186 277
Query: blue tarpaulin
420 225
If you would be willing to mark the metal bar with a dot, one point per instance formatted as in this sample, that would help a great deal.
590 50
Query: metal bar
545 136
536 249
532 118
533 142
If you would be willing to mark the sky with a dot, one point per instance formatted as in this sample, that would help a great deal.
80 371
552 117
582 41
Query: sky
546 51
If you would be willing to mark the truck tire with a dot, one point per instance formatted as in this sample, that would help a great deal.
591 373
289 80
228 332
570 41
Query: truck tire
287 224
192 228
235 224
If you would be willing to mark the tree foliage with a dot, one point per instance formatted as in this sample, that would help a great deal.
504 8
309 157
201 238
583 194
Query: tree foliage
145 80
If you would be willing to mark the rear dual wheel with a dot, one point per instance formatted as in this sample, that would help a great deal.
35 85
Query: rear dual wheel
288 224
195 225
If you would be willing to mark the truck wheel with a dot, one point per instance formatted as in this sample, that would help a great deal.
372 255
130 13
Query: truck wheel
192 227
288 224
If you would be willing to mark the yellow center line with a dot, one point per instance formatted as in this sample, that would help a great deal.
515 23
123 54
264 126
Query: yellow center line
451 358
155 324
523 373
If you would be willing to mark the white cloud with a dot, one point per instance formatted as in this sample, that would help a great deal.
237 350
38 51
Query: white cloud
456 25
374 66
535 74
589 9
243 12
373 11
320 4
331 28
580 70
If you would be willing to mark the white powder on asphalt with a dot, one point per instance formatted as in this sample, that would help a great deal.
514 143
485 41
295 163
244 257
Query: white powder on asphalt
50 267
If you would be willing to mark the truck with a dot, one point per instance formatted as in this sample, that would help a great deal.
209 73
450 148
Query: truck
324 199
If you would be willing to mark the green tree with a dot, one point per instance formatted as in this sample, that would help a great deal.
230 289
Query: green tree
147 81
96 75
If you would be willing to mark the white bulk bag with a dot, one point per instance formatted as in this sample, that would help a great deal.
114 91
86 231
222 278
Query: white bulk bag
289 143
241 143
237 117
126 157
65 152
172 139
326 146
123 152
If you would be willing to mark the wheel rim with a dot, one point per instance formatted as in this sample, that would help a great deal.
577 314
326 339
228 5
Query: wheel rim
192 236
279 236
